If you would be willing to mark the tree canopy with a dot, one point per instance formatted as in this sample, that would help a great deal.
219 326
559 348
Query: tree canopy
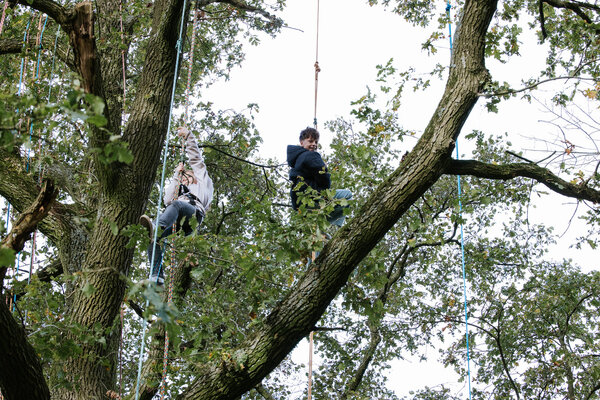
86 107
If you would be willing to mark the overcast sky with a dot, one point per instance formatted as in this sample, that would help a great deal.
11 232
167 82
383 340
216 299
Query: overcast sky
353 39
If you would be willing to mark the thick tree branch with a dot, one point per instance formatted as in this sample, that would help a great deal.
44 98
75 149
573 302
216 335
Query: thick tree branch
30 218
22 376
240 5
54 10
576 7
294 316
20 189
511 171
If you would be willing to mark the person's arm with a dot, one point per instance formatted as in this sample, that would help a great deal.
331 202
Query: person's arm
171 189
313 164
195 157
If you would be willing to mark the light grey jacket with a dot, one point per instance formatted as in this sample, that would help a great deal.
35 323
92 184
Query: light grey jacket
204 189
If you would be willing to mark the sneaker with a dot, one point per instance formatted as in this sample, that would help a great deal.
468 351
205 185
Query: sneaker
159 280
146 222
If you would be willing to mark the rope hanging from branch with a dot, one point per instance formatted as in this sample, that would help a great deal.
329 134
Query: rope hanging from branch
3 15
317 68
462 237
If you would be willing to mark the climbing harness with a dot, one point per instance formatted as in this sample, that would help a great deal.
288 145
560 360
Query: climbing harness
462 237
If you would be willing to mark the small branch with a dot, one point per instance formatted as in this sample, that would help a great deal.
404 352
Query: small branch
518 156
328 329
248 8
138 310
511 171
239 158
264 392
532 86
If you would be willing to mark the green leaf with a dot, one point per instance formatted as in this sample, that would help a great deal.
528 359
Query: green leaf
7 257
98 120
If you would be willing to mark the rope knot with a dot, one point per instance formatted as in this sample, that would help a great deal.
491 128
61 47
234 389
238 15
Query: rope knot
317 68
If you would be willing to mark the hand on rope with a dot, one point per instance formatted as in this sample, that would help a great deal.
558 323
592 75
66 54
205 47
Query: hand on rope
183 132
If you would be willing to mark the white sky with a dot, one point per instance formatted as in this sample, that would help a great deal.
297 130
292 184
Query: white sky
353 39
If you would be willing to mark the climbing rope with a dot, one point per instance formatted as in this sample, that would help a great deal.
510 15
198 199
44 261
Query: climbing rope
123 59
190 65
21 78
317 68
462 237
3 15
163 382
39 38
160 195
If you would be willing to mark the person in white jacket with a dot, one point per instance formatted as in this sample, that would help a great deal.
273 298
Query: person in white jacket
187 196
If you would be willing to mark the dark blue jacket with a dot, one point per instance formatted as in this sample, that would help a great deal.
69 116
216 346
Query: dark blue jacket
310 166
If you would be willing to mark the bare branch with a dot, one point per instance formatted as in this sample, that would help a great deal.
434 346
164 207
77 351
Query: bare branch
533 86
511 171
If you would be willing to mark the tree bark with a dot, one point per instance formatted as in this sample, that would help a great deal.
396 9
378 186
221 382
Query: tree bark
533 171
22 376
297 313
27 222
123 193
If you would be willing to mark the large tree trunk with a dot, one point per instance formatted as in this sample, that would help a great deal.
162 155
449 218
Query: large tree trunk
296 315
124 190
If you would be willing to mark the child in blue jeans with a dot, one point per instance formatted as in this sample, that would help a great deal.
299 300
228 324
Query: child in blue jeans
188 196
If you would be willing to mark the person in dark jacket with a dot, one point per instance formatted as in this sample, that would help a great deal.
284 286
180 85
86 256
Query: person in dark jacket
309 169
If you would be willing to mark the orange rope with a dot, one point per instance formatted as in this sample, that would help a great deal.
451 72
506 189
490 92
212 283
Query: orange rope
3 15
317 68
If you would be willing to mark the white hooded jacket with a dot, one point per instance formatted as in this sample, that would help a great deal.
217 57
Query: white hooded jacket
203 189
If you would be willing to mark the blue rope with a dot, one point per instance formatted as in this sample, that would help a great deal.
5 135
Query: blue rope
462 236
162 184
23 59
18 94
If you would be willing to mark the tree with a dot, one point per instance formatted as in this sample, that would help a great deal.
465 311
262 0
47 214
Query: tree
108 174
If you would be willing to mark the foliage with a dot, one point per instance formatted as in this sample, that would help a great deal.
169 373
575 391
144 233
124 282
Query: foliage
533 322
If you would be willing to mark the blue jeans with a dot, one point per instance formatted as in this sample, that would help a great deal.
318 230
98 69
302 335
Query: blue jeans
337 217
178 214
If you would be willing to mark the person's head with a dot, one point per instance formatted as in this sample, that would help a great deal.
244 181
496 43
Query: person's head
309 139
188 177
